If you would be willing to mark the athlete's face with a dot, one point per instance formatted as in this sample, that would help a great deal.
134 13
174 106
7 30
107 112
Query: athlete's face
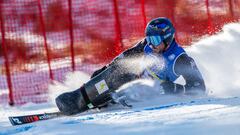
156 43
159 48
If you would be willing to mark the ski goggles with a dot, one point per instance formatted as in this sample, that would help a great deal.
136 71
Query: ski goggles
154 40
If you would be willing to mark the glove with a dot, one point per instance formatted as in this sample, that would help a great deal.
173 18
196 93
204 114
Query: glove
172 88
120 100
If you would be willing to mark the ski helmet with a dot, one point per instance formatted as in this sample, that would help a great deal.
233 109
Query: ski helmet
160 30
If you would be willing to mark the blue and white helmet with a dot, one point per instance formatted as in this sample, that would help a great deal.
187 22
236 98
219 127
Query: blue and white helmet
160 30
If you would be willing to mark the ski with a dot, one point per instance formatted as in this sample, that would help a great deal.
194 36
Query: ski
19 120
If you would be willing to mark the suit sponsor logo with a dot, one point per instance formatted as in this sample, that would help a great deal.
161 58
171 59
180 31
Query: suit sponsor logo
171 57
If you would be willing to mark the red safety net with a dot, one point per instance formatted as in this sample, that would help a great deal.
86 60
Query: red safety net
42 40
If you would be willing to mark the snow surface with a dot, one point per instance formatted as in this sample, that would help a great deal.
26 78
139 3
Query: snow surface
153 113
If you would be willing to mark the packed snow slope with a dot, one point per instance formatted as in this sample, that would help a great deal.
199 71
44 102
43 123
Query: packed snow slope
217 57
